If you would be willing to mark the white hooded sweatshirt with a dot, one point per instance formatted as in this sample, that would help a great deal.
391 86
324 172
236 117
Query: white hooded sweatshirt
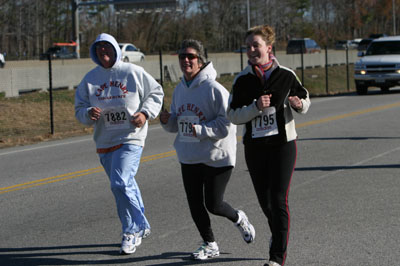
119 91
203 105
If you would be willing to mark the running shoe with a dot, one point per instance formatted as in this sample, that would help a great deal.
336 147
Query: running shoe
141 235
128 245
245 227
272 263
207 250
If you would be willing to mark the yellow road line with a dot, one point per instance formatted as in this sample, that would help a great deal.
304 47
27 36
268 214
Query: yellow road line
148 158
76 174
337 117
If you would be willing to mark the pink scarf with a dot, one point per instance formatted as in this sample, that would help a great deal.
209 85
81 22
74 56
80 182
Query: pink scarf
261 69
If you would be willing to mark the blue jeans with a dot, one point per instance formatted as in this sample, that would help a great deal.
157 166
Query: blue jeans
121 167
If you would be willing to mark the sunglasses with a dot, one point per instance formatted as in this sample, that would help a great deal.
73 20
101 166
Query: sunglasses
189 56
106 45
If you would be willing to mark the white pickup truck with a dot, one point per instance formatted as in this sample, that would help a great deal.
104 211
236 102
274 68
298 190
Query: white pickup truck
379 66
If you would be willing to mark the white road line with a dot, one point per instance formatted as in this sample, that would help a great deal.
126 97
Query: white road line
89 138
46 146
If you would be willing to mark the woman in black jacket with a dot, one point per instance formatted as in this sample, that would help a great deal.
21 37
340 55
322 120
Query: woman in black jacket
263 95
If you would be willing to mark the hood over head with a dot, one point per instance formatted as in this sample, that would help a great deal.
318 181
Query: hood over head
104 37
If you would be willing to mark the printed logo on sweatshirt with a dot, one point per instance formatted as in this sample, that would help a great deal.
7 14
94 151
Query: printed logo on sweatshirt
193 108
111 84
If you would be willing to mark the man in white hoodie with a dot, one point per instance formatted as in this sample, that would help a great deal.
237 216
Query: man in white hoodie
118 98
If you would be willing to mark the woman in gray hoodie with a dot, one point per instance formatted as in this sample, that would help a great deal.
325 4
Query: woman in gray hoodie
205 144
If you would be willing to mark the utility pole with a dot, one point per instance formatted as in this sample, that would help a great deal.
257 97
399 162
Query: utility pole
75 26
248 14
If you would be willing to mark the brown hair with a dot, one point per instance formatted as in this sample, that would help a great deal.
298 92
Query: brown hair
265 31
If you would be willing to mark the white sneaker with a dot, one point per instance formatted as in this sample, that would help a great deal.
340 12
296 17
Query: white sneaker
207 250
273 263
128 245
146 233
245 227
141 235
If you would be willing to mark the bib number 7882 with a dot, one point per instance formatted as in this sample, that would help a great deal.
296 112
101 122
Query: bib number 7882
116 118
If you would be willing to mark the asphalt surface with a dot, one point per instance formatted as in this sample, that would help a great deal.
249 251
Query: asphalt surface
57 209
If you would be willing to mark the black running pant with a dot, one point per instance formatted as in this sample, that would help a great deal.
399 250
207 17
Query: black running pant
271 168
205 188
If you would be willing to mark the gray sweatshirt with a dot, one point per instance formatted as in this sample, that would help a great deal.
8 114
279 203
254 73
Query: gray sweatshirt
119 91
202 105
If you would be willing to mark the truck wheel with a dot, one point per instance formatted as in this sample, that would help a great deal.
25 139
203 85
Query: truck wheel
361 90
126 59
1 64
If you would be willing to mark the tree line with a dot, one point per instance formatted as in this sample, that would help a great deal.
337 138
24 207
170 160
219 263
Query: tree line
29 27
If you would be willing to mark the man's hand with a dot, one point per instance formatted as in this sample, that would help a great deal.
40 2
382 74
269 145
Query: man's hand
94 113
138 119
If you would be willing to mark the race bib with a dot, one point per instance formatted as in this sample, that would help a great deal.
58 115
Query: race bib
186 129
265 124
116 118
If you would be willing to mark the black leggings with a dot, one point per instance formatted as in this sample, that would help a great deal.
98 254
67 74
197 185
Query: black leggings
205 188
271 168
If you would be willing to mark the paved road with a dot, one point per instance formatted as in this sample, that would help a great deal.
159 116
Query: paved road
56 207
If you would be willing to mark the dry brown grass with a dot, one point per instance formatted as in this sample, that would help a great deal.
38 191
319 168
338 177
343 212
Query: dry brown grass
26 119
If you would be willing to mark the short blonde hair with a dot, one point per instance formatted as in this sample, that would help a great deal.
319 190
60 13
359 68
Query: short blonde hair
266 32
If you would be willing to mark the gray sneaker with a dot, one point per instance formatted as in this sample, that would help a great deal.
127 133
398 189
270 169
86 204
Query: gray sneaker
207 250
245 227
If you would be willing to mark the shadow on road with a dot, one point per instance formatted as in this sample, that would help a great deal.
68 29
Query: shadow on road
35 256
348 138
339 167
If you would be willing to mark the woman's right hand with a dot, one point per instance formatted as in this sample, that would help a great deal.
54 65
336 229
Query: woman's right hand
264 101
164 116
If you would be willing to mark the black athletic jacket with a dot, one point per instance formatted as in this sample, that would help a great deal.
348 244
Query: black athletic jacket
282 83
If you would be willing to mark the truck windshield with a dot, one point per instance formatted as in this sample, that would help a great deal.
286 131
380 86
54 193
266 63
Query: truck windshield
382 48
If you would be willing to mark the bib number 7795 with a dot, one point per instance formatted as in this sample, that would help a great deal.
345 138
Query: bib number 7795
265 124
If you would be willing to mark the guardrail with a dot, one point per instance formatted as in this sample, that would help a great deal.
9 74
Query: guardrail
24 76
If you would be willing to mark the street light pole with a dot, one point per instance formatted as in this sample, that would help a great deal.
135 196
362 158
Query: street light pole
394 17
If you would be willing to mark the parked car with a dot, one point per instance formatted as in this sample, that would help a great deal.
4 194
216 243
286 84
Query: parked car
306 45
363 45
342 44
59 52
377 35
130 53
354 43
2 61
379 66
